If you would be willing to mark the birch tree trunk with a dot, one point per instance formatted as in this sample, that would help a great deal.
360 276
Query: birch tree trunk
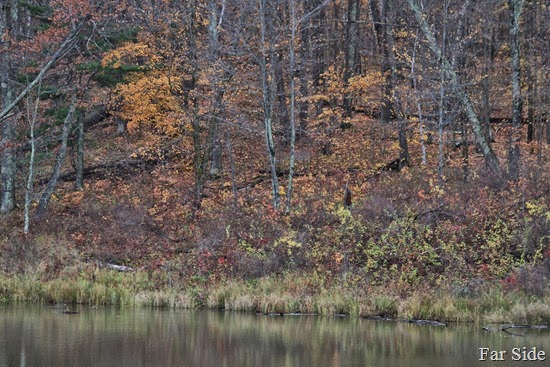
293 24
32 114
419 110
67 44
267 103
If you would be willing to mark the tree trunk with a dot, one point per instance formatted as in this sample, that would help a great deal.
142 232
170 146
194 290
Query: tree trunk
306 60
67 44
79 177
379 18
214 120
292 43
352 51
419 110
441 100
200 157
276 61
282 114
404 158
121 126
515 8
29 186
465 150
8 155
488 61
232 167
319 45
32 114
513 161
267 103
490 158
378 14
392 100
9 166
214 147
61 154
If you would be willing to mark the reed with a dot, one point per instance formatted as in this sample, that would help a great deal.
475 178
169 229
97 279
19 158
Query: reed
287 293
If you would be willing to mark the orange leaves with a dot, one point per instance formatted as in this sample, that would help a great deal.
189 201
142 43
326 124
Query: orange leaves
366 90
148 102
74 198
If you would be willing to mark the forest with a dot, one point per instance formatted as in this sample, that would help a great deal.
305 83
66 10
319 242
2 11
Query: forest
367 157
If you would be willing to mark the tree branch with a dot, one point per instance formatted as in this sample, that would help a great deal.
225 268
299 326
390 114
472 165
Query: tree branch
59 54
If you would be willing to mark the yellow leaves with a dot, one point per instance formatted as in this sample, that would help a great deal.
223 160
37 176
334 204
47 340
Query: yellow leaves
364 88
328 116
149 102
403 34
435 188
536 208
289 242
342 213
338 257
332 82
365 85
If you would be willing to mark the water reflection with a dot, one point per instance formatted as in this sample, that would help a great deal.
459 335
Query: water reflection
42 336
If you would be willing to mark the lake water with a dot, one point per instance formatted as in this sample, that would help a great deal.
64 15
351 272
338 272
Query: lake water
44 336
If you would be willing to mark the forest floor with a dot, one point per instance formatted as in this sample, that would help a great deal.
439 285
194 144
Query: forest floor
455 244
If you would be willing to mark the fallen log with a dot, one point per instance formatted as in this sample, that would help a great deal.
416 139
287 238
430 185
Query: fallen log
120 268
102 170
506 327
427 322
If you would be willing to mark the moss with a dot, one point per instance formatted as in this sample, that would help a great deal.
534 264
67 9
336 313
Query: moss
35 9
108 76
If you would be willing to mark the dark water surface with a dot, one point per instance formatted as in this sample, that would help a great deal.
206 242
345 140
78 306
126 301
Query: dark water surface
44 336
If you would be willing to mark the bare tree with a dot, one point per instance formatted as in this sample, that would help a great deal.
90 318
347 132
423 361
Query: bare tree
32 115
352 64
292 45
60 159
9 17
515 9
489 155
267 80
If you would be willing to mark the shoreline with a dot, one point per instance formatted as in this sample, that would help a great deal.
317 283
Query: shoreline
292 293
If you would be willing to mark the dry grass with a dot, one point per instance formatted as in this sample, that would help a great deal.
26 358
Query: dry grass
284 294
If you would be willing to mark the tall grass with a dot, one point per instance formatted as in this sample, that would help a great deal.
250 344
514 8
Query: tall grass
290 293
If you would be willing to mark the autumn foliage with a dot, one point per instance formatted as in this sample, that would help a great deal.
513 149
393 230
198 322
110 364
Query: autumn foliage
185 187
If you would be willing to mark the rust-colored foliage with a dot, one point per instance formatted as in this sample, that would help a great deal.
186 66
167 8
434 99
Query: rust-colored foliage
151 201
